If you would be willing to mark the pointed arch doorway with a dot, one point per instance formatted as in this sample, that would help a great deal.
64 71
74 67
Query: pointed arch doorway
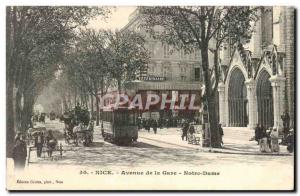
237 100
264 100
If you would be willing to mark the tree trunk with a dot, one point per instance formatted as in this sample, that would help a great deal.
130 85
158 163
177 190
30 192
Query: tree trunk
92 105
27 112
65 104
98 100
10 119
75 99
215 138
98 111
86 100
10 115
210 100
18 110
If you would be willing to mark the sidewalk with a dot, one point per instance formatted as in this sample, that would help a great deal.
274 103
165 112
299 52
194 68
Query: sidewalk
236 141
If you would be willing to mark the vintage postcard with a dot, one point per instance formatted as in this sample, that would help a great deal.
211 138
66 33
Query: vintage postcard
150 98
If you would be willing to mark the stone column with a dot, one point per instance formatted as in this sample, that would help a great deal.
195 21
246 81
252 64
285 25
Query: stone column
252 103
221 90
226 109
277 83
289 67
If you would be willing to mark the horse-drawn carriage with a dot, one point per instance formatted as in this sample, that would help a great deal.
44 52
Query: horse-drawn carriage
78 127
42 117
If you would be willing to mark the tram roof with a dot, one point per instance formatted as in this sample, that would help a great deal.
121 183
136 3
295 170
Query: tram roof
113 108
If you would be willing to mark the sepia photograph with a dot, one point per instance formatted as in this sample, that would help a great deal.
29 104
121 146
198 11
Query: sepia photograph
150 98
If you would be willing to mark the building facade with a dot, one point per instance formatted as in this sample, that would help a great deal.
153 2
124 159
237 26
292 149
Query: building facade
169 71
257 79
257 83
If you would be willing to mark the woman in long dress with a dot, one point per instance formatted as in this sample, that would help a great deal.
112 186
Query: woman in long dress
264 147
274 140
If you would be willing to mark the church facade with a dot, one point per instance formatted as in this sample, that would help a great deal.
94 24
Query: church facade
257 79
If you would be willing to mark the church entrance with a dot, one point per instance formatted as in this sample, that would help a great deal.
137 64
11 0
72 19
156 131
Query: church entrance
264 100
237 100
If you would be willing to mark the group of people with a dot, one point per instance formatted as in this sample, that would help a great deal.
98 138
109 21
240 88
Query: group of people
187 129
19 152
268 139
147 124
40 141
161 122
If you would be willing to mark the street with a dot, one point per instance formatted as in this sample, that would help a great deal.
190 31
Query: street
151 153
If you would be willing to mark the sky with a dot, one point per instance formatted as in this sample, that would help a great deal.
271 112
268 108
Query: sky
117 19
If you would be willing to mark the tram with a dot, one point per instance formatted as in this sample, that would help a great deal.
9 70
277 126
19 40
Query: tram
118 125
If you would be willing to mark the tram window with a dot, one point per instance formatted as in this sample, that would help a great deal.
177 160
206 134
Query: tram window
197 74
107 116
123 118
131 119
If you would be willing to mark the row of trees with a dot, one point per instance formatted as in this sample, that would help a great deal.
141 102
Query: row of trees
45 43
99 60
36 38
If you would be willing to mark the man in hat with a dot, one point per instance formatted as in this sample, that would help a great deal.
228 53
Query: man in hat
185 128
257 133
290 141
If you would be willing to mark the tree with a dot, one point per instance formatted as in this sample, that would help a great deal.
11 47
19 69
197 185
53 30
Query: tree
127 54
197 27
36 39
89 61
99 58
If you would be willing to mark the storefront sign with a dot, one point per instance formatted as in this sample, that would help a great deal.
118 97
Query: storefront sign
152 78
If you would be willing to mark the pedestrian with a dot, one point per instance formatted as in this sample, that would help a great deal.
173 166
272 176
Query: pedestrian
154 126
160 123
257 134
274 140
286 120
139 122
167 123
285 134
147 125
185 128
290 141
19 152
221 133
38 143
264 140
191 129
51 143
